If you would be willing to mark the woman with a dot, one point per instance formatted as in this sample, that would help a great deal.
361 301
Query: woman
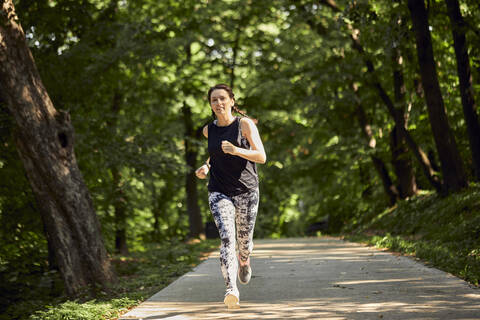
235 147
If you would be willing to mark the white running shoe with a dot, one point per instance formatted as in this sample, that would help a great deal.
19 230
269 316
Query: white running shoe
231 301
244 274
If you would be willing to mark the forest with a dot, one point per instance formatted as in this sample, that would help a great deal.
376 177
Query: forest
362 106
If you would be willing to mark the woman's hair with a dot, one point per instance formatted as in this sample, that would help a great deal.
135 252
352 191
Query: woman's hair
222 86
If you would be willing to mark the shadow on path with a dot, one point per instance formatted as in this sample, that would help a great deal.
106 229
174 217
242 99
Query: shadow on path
318 278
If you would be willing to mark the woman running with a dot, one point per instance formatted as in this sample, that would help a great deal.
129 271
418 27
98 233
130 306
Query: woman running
234 146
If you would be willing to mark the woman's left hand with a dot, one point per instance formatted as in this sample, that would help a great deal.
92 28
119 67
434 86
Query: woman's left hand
227 147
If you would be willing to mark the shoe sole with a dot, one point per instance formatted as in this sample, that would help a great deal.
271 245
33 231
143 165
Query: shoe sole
231 301
240 280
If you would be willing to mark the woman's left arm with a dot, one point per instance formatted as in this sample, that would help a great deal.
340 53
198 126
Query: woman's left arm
256 152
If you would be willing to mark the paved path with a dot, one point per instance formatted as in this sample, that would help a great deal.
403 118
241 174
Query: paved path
318 279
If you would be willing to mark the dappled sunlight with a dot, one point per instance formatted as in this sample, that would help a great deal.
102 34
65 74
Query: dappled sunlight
276 310
378 281
321 308
194 275
317 279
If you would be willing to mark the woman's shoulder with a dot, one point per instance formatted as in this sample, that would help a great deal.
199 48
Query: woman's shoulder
246 123
205 129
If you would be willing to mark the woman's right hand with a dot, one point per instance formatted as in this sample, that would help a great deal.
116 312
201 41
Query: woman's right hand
202 172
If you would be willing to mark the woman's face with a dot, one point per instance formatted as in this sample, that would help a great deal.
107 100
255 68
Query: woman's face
221 102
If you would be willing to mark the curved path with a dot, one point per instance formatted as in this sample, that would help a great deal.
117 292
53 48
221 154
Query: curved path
318 278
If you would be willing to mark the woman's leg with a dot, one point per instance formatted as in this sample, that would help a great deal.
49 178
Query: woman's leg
246 205
223 212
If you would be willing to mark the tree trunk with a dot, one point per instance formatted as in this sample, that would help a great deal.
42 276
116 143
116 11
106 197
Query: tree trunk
120 205
465 77
399 121
194 215
44 140
406 182
119 197
402 164
450 161
157 213
161 200
386 181
364 174
191 152
389 188
52 262
417 151
236 45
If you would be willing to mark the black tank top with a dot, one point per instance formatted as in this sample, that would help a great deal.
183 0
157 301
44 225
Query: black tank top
229 174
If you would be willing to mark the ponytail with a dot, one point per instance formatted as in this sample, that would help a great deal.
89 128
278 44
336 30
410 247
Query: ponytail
243 113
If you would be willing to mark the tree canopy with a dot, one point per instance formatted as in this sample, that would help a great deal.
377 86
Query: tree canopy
339 89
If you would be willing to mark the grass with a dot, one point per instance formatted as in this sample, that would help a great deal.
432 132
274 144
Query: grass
140 275
442 232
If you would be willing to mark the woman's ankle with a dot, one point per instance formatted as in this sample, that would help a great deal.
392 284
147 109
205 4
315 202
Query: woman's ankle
243 263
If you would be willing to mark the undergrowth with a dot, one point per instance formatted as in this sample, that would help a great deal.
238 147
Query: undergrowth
140 275
442 231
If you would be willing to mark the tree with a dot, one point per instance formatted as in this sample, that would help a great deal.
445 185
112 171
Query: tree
44 139
119 196
402 163
396 114
452 168
465 77
191 151
389 188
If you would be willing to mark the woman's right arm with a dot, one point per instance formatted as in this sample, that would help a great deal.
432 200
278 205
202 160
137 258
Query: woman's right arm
202 172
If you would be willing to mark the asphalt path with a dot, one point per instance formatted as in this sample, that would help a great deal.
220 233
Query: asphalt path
318 278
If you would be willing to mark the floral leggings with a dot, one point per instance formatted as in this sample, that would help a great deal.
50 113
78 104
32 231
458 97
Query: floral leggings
230 213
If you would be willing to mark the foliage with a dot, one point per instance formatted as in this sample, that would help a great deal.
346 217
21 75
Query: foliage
125 69
444 232
141 274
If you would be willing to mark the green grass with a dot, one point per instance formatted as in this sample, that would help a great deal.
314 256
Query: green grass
140 275
443 232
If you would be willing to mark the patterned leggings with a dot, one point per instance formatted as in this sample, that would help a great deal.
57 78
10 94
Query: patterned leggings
228 212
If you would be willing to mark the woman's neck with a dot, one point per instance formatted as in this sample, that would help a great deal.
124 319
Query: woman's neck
225 120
